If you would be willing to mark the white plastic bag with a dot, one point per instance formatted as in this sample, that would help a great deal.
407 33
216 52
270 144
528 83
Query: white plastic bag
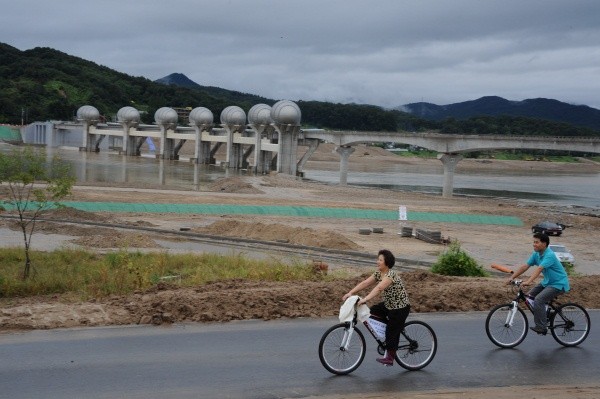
347 310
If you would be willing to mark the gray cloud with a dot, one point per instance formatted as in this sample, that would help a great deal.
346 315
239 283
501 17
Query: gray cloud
388 52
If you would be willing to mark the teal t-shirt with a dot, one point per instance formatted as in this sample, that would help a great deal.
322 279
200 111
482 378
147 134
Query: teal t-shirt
554 272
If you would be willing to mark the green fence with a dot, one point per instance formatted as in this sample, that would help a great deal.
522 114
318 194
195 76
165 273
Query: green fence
10 134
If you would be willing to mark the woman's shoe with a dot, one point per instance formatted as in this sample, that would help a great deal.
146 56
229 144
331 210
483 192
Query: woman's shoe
388 359
539 330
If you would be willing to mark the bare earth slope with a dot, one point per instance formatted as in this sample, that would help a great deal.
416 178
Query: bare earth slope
236 300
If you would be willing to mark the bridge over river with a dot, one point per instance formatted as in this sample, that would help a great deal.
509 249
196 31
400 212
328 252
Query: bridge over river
268 138
448 146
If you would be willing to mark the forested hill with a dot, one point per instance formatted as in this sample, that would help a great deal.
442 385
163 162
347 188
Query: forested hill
45 84
540 108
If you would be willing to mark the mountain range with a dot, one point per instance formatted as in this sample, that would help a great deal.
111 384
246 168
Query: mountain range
43 84
540 108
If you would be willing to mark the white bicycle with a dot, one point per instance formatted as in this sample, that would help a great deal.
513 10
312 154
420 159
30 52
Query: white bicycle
342 347
506 325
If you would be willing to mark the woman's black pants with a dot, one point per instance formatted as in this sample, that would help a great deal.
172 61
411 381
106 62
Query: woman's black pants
395 323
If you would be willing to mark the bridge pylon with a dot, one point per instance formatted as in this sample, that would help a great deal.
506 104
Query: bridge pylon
449 161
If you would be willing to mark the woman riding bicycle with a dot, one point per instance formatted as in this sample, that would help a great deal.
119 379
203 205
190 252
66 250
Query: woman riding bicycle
555 280
395 306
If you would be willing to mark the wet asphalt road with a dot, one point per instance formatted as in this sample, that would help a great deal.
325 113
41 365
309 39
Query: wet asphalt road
277 359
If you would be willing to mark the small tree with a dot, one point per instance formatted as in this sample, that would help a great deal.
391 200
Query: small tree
35 184
456 262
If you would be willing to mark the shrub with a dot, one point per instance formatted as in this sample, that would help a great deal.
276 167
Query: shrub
456 262
569 268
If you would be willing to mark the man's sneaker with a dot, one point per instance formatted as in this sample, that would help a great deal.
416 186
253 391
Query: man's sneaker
539 330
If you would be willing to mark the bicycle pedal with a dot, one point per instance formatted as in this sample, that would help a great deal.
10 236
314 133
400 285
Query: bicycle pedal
539 331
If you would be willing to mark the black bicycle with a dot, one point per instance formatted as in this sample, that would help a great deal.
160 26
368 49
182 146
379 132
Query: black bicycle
507 325
342 347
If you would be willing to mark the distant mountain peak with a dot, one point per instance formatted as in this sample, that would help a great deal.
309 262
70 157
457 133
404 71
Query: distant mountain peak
178 79
540 108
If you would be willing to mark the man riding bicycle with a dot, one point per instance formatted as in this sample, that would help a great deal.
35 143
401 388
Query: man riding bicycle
554 283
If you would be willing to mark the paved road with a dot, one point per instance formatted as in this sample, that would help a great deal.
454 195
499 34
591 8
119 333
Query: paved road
277 359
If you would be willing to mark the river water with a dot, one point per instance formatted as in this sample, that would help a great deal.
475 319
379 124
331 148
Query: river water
573 190
578 190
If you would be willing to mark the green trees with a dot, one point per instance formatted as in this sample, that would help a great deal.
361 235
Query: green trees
348 116
512 125
35 184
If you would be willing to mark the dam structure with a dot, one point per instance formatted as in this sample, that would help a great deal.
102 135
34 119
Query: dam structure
268 138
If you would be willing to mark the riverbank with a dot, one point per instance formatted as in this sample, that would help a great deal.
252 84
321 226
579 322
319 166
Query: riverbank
503 244
509 245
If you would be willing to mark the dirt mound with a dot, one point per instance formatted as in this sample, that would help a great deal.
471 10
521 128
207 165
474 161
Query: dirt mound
279 232
241 299
233 185
61 228
68 213
281 180
64 213
116 239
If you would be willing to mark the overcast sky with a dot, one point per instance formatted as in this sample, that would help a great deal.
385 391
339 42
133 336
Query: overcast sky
380 52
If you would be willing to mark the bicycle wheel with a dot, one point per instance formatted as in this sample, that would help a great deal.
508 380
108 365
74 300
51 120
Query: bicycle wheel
500 332
570 325
417 346
341 350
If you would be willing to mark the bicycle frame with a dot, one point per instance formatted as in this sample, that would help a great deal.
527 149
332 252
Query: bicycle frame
381 343
370 329
348 334
350 330
510 317
521 297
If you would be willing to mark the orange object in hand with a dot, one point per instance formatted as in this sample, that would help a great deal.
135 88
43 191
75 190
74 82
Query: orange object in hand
501 268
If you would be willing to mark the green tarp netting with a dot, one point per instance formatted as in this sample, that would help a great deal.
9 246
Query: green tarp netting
302 211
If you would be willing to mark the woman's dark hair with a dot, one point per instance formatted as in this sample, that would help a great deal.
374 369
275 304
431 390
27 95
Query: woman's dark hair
388 257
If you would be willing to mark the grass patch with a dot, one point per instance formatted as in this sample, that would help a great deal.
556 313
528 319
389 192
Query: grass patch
419 154
88 275
510 156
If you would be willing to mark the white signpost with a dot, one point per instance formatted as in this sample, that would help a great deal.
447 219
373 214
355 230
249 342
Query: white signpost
402 216
402 213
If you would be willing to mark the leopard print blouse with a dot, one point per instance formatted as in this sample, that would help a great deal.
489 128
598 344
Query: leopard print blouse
394 296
